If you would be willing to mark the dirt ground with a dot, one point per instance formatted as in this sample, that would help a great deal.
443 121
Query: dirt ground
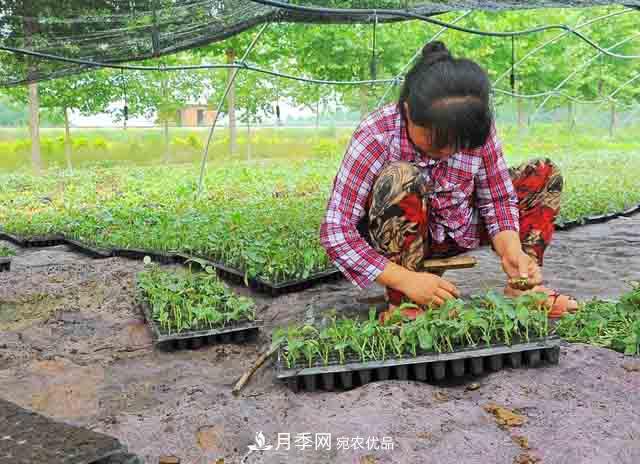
73 347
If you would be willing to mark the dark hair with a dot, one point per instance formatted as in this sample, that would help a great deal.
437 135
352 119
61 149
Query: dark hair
450 96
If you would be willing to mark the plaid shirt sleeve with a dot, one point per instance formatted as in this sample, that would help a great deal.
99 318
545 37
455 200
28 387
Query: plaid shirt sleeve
346 248
496 198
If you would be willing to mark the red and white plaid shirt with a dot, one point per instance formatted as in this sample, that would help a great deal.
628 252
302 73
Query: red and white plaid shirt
382 138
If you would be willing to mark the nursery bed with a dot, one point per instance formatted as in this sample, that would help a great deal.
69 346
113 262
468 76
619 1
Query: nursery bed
427 368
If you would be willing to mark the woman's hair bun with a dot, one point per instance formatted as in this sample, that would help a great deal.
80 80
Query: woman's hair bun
434 52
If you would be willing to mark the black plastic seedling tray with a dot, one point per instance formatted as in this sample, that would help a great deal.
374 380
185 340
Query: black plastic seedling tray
27 437
437 367
241 332
156 256
88 250
263 286
33 242
598 219
5 264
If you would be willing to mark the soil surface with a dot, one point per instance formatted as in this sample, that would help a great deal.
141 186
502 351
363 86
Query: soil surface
74 347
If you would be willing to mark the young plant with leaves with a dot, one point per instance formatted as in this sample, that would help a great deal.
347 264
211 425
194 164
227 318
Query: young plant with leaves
183 300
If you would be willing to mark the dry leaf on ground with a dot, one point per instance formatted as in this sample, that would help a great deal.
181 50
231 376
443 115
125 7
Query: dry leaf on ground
523 442
526 458
504 416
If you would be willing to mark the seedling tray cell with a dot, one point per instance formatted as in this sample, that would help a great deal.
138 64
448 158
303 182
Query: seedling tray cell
420 372
242 332
435 367
457 367
476 366
402 372
495 362
532 358
515 360
93 252
5 264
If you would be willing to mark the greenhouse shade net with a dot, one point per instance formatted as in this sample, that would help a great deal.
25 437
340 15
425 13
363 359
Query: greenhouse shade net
116 31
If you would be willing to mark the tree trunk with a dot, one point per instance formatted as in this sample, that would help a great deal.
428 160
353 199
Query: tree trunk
248 140
521 115
34 128
613 122
67 140
231 104
572 118
166 141
364 93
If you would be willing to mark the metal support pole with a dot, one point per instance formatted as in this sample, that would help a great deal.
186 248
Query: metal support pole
224 97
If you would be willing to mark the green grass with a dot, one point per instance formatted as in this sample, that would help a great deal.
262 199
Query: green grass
6 252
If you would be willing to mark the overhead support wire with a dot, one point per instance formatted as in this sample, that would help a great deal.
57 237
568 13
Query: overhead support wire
159 68
232 78
428 19
555 39
398 78
576 71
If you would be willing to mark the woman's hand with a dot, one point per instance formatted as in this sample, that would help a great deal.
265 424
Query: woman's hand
424 288
519 265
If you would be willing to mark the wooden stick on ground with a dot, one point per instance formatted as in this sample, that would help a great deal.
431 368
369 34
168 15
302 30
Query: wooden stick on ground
259 362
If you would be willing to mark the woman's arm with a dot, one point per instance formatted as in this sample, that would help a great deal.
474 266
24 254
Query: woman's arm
496 198
355 258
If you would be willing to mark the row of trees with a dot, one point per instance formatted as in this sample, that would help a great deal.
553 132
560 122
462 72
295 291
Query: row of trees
346 53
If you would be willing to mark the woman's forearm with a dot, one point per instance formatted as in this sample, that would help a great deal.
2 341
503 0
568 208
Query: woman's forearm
393 276
507 243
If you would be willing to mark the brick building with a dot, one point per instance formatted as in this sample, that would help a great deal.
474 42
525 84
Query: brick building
195 115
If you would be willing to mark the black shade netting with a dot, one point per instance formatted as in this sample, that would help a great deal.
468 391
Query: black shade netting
114 31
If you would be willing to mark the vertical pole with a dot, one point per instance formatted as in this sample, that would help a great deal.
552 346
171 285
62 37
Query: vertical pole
34 128
231 102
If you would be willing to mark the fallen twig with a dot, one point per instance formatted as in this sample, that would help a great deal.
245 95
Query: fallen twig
259 362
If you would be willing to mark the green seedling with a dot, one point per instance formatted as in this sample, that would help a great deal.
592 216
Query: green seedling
185 300
491 319
5 252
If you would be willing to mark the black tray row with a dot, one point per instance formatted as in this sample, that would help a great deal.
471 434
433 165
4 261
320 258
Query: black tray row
225 272
598 219
263 286
241 332
428 368
33 242
237 337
